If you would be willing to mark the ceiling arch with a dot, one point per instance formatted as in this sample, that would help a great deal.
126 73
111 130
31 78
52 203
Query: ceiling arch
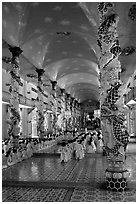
82 77
79 90
58 69
61 37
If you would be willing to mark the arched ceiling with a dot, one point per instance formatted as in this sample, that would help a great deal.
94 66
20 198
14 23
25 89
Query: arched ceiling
61 38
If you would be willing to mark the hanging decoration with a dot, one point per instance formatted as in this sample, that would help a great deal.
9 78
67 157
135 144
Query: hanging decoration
14 117
40 108
128 51
112 115
132 12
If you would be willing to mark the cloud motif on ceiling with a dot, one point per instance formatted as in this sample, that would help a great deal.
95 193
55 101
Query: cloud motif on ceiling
64 53
84 27
79 55
18 7
37 31
48 19
6 9
64 22
48 60
74 41
35 4
57 8
4 23
76 5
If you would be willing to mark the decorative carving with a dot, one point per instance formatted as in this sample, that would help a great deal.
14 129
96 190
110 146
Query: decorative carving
112 116
64 33
128 51
31 76
132 12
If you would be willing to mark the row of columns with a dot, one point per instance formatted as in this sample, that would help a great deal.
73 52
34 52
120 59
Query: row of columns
112 116
14 119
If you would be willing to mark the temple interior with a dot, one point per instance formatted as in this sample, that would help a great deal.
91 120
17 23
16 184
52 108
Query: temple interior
68 102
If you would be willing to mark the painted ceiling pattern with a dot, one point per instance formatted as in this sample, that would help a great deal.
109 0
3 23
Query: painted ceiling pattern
61 38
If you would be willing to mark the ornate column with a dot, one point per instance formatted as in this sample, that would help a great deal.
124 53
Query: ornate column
14 117
63 109
40 108
54 94
112 113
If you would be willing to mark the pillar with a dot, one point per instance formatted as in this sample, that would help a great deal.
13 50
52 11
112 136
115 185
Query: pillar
63 109
111 104
14 115
40 108
54 94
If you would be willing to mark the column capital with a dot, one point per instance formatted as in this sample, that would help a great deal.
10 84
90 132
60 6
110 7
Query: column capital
40 72
16 51
62 91
54 83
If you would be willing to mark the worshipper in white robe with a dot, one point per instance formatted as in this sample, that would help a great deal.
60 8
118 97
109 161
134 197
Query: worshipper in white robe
10 158
4 160
19 154
14 156
91 148
29 149
6 147
69 152
24 153
79 152
99 144
84 142
62 151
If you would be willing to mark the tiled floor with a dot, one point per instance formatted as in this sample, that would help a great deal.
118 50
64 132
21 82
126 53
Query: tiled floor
44 178
19 194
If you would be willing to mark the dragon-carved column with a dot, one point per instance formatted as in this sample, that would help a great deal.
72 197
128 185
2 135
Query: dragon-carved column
112 113
40 108
14 116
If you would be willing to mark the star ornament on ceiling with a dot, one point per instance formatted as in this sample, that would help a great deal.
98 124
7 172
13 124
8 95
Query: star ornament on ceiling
84 27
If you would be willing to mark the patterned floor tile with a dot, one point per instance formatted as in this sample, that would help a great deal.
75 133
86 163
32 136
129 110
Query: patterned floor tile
86 176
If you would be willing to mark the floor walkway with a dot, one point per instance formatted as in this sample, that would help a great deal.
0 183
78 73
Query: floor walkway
43 178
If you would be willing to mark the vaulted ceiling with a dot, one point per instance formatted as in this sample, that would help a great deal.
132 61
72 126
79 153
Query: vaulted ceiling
61 38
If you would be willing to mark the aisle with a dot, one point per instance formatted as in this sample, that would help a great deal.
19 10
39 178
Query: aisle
44 178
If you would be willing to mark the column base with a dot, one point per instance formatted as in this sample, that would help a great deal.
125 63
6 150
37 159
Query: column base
116 181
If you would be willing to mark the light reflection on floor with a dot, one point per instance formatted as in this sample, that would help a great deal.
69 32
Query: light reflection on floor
43 169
